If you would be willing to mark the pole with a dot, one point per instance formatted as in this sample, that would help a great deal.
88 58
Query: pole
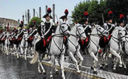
40 12
23 19
54 13
46 8
28 15
33 12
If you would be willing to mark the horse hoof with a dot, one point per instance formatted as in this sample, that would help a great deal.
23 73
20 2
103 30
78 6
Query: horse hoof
78 71
57 72
120 65
51 76
44 73
95 72
114 68
92 68
101 67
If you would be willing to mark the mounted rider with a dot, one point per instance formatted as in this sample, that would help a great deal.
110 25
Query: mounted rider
87 29
32 31
86 25
47 28
109 26
122 23
65 20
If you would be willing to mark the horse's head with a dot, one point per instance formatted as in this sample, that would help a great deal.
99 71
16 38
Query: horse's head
25 36
80 31
101 30
64 28
121 34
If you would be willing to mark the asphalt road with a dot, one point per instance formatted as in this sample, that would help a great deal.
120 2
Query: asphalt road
13 68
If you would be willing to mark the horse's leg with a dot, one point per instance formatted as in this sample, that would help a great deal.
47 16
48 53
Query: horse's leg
62 65
117 55
21 49
40 64
52 65
80 56
74 59
25 52
15 49
115 63
6 49
93 55
39 70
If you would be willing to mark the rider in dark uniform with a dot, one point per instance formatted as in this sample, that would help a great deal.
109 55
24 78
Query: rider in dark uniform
122 23
109 26
65 20
87 30
47 28
45 31
86 24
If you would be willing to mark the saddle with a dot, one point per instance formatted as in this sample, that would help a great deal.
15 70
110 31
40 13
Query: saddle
31 38
103 42
19 39
84 43
43 44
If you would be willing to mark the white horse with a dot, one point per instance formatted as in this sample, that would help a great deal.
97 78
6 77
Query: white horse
57 48
115 44
126 43
94 47
24 45
76 33
7 43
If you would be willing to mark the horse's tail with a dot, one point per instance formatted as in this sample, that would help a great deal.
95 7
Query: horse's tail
35 58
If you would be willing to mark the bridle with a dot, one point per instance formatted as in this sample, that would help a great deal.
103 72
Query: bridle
63 31
79 34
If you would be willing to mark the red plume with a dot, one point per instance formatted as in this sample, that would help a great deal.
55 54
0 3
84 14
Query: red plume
21 22
49 10
85 13
34 22
121 16
66 11
110 12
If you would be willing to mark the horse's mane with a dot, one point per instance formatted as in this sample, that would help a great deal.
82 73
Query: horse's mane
93 30
73 30
57 29
115 31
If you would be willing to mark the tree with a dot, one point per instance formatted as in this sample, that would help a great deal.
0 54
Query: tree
78 13
94 8
36 20
118 7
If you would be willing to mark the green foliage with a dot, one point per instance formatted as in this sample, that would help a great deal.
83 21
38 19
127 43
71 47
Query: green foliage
36 19
98 11
1 27
118 7
94 9
78 13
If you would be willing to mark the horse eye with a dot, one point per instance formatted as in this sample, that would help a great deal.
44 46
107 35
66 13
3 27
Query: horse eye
79 29
62 27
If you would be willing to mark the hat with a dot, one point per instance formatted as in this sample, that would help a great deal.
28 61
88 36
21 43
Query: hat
110 15
21 24
48 13
86 16
121 18
66 14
